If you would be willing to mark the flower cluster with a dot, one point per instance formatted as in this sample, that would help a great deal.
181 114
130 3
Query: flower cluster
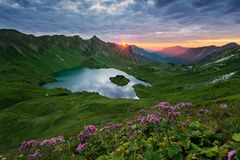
90 129
166 106
183 105
163 105
46 142
52 141
141 118
151 118
37 145
171 112
166 112
149 129
28 144
109 128
81 147
35 155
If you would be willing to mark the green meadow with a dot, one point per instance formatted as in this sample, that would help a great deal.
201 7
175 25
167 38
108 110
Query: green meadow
28 111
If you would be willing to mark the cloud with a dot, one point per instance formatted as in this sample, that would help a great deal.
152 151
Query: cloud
162 3
203 3
130 20
111 7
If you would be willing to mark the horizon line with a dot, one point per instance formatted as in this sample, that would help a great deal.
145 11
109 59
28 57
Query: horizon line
158 46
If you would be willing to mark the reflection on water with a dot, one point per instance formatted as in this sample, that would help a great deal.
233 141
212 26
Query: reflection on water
95 80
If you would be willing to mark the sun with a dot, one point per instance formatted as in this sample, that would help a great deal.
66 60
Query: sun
123 47
124 44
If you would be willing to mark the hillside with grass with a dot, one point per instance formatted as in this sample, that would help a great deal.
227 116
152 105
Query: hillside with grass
29 111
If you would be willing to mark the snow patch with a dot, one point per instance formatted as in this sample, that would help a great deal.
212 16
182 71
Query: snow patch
224 58
19 50
219 60
223 77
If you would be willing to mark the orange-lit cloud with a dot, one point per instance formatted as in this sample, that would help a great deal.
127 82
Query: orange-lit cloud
151 24
194 43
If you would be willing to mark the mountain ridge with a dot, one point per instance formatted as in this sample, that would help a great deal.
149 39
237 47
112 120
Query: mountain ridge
18 42
60 50
156 56
174 51
200 54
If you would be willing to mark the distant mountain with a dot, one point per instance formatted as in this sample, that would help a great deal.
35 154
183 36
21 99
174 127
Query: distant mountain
174 51
156 56
200 54
53 53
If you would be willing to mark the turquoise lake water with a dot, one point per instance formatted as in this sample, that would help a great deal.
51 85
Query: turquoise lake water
95 80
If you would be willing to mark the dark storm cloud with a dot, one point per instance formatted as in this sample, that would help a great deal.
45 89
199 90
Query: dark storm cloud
234 6
162 3
203 3
131 19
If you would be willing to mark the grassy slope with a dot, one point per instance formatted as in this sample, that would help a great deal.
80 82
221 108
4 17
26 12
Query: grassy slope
27 61
26 111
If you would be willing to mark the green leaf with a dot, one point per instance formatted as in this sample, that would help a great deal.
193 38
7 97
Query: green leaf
195 148
151 155
195 125
179 157
196 134
185 143
222 151
236 137
173 150
134 126
211 152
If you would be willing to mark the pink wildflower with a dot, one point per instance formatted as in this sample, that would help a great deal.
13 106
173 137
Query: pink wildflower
163 106
109 128
176 113
29 144
223 106
153 118
47 142
90 129
140 118
183 105
52 141
82 138
116 126
231 154
81 147
34 156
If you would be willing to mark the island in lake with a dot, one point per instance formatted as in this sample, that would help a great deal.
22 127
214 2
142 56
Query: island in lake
119 80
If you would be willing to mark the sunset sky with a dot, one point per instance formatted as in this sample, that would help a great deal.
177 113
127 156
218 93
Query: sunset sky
151 24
